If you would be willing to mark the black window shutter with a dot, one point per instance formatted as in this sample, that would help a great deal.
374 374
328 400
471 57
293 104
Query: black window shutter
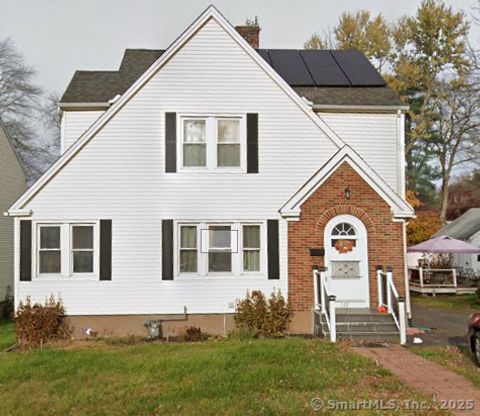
170 142
252 143
273 250
105 249
25 250
167 249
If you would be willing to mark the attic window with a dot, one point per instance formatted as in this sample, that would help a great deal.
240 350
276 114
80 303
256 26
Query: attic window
212 143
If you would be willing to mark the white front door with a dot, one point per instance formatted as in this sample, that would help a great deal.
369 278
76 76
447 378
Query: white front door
346 259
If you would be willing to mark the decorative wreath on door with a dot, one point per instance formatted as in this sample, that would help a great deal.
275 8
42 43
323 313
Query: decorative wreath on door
344 246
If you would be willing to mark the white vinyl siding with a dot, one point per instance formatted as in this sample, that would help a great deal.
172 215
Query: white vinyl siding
12 185
374 137
120 175
74 124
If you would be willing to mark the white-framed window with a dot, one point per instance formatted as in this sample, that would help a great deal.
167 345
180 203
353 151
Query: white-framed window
228 143
66 249
251 248
212 143
194 142
49 249
188 249
82 248
220 248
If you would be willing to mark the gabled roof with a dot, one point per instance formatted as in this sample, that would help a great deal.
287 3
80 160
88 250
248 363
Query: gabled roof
400 208
101 86
210 13
464 227
325 77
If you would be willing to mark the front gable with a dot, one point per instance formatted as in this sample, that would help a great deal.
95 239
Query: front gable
346 157
210 68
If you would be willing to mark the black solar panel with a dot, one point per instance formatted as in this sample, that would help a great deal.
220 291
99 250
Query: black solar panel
358 69
324 69
321 68
289 64
264 54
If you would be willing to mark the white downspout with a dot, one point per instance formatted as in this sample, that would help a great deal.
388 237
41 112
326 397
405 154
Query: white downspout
405 266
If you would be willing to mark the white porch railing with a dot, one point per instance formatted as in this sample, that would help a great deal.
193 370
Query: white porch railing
421 277
388 297
325 302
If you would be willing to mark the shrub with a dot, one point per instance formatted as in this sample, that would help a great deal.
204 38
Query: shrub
193 334
255 314
36 323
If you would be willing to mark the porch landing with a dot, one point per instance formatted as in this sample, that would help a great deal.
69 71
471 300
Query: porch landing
358 324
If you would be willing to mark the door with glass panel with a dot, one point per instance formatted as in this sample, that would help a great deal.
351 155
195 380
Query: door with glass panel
346 258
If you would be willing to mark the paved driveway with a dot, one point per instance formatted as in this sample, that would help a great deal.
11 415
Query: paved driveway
449 327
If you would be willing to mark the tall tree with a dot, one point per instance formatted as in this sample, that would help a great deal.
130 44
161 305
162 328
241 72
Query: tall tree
361 31
456 133
371 35
20 109
429 48
464 193
419 56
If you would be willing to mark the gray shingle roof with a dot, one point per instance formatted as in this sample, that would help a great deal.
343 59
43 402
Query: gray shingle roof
370 96
102 86
464 226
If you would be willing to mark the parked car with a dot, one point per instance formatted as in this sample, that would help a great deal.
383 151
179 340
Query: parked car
474 336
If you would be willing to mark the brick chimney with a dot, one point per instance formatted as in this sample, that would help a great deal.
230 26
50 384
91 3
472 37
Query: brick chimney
251 33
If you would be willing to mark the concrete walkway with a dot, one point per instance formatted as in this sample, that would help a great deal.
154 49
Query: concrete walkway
447 387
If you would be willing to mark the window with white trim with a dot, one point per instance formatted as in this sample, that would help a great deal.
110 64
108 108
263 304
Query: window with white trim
228 143
82 248
49 249
194 143
251 248
212 143
188 249
220 248
66 249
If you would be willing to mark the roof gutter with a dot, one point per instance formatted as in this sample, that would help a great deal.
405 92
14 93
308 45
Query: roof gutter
65 106
18 213
360 107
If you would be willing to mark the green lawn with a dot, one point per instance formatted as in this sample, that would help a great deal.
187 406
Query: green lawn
258 377
458 302
7 337
454 358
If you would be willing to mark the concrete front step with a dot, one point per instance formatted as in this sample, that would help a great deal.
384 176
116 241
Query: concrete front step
357 324
368 336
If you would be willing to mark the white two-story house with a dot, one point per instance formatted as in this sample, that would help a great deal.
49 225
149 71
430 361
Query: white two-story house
194 174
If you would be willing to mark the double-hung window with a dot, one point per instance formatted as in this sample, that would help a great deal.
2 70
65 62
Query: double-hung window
251 248
67 249
194 143
188 249
49 249
82 248
221 249
228 143
212 143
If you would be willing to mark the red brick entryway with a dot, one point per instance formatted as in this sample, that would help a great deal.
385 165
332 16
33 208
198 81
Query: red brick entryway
344 192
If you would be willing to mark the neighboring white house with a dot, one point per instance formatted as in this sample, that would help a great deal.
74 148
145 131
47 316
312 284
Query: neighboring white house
466 228
12 185
197 173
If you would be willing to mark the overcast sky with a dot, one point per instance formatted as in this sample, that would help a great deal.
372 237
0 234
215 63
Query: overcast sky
59 36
